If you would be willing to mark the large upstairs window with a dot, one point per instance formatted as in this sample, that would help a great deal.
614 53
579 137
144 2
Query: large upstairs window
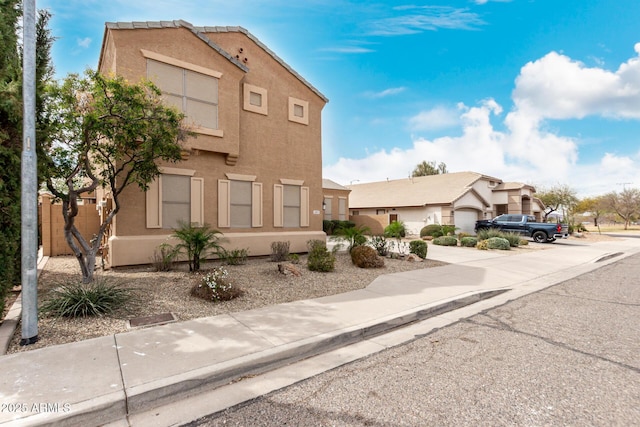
193 93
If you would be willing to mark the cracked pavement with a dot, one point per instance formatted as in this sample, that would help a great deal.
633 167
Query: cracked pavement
567 355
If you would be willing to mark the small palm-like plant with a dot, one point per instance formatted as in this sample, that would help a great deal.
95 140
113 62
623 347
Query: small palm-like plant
197 242
355 236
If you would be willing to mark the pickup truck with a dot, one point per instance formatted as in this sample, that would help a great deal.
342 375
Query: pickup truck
526 225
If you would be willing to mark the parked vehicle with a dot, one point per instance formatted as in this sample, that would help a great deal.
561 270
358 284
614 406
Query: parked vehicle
526 225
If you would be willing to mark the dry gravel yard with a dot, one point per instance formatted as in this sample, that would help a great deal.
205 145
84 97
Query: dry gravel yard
162 292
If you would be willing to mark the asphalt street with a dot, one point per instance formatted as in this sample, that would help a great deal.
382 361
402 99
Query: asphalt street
567 355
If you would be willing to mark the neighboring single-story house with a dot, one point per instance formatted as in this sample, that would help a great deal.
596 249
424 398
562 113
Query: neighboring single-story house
254 169
458 199
335 204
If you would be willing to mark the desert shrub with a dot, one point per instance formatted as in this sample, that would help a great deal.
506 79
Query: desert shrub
294 258
366 257
319 258
380 244
433 230
234 256
513 238
524 242
197 242
216 286
463 235
164 257
395 230
498 243
468 241
279 251
445 241
331 226
419 248
487 233
98 298
483 245
448 230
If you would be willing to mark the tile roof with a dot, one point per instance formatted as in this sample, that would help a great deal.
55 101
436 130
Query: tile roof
332 185
200 32
418 191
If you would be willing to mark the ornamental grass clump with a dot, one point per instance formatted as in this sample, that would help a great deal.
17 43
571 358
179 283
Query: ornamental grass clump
216 286
512 238
98 298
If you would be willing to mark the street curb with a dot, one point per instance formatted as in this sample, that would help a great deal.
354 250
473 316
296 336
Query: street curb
181 386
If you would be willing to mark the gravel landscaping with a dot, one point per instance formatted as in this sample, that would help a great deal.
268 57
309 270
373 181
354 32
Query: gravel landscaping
164 292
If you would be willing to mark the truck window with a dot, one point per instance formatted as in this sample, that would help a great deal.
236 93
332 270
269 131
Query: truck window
531 218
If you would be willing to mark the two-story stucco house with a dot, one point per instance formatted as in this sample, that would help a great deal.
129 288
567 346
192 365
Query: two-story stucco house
254 168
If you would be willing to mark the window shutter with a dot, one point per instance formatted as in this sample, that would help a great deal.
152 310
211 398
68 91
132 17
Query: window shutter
278 211
153 204
197 205
256 204
304 206
224 203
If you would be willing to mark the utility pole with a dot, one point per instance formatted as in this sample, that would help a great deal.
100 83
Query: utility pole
29 176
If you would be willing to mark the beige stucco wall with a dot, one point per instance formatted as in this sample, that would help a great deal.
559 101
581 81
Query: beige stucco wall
269 147
336 196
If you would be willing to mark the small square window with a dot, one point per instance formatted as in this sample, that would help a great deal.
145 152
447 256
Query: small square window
255 99
298 111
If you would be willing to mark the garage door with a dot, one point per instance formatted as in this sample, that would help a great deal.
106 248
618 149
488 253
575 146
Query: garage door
465 220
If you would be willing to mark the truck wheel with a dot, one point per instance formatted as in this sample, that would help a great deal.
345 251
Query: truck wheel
539 237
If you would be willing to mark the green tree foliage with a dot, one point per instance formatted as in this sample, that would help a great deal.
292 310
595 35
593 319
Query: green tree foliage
105 132
10 143
429 168
594 206
625 204
11 130
560 198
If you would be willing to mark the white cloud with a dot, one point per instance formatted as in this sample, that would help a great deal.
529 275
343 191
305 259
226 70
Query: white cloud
557 87
553 87
417 19
437 118
84 43
384 93
347 49
487 1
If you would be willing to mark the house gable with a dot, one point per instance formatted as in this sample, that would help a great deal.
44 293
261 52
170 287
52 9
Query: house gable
257 175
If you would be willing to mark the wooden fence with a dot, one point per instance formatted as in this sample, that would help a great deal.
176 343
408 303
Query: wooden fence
52 225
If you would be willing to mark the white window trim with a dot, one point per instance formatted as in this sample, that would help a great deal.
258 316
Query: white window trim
248 106
181 64
278 203
224 200
195 68
153 197
305 111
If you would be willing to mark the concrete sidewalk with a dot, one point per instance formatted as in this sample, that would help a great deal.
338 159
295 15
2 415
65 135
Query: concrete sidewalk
124 379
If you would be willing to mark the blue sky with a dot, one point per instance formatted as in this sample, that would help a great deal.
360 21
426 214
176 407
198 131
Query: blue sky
544 92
